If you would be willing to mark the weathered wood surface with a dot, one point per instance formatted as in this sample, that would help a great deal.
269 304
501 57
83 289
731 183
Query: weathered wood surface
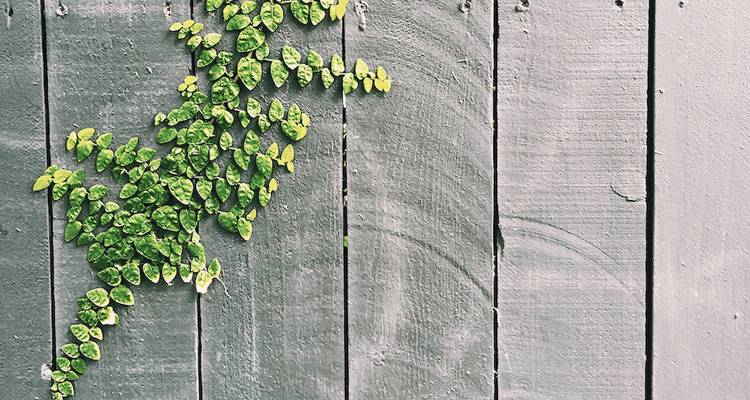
277 331
571 167
701 264
24 246
112 65
420 204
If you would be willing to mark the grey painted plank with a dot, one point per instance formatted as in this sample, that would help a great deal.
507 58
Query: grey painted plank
112 66
277 331
571 82
420 204
701 278
25 329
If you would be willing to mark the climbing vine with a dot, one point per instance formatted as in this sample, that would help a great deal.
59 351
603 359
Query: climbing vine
150 228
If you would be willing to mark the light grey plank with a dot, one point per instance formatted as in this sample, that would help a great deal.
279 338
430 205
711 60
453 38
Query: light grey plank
420 204
701 275
25 329
571 82
277 331
112 66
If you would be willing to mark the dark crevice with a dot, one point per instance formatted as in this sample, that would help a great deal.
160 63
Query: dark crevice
497 237
650 202
48 141
344 192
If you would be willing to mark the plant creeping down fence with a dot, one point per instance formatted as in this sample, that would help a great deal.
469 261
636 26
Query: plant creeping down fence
149 229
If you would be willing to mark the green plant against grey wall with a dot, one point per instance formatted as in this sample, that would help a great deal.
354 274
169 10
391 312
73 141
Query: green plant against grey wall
150 228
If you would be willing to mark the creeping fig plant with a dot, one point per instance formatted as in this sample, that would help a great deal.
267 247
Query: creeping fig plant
149 228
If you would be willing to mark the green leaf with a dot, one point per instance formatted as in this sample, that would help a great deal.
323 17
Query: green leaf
250 39
225 140
96 333
326 77
147 246
110 276
251 143
132 273
71 349
230 10
66 388
151 272
194 42
86 133
228 221
300 11
273 150
233 174
245 228
360 69
287 155
166 135
238 21
350 83
337 65
317 13
264 164
242 159
166 218
216 72
276 110
122 295
63 363
279 73
304 75
224 90
98 296
248 6
263 123
271 14
250 72
78 364
72 229
211 40
105 140
205 58
42 183
253 107
84 149
107 316
293 130
202 281
245 194
314 60
90 350
213 5
291 57
81 332
70 144
189 220
137 224
97 192
182 190
128 190
169 272
203 187
264 196
223 189
214 268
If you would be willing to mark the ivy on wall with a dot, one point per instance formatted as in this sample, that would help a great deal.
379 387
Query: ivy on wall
150 228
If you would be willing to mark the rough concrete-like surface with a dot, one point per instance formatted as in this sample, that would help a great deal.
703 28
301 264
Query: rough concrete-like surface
420 204
278 330
112 66
702 266
25 333
571 192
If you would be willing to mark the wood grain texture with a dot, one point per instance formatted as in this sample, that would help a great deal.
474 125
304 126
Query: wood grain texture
571 82
420 204
25 329
112 66
277 331
701 274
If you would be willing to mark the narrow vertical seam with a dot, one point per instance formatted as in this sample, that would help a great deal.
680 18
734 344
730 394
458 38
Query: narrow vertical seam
496 233
650 202
344 192
48 141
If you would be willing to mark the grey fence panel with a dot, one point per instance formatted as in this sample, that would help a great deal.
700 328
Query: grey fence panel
277 330
112 66
571 169
701 274
420 208
25 330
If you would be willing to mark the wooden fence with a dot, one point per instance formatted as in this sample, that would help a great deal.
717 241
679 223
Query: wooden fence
578 232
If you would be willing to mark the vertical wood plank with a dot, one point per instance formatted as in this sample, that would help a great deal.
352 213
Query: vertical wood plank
572 81
277 331
420 204
112 66
25 329
701 263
